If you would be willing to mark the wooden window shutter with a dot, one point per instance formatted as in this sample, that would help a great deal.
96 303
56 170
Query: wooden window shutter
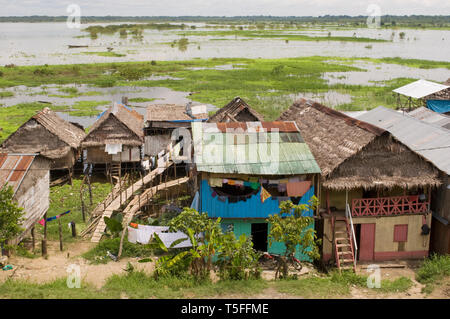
400 233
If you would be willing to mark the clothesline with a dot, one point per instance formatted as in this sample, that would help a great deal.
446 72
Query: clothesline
42 222
143 234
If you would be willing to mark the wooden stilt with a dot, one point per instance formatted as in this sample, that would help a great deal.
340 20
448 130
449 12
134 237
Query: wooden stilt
33 238
90 189
44 241
60 235
74 229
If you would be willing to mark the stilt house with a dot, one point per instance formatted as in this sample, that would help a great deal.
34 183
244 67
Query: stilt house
374 190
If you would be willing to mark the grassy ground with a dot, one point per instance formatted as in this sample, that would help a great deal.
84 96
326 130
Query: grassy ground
138 284
433 270
67 197
268 85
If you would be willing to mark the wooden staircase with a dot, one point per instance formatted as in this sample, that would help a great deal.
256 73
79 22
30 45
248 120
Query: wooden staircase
115 169
343 243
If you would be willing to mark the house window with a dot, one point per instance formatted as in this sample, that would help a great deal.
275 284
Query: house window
400 233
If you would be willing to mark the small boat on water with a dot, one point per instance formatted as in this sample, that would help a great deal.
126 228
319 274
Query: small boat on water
77 46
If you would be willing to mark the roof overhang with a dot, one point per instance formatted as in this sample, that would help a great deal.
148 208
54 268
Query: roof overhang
420 89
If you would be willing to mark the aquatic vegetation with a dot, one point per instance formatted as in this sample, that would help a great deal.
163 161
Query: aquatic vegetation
278 35
106 54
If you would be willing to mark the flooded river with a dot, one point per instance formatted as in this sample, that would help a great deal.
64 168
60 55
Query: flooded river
47 43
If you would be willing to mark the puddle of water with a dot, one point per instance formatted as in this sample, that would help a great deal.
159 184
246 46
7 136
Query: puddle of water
161 95
383 72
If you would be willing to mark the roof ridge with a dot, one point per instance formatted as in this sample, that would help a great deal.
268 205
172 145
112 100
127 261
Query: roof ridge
347 119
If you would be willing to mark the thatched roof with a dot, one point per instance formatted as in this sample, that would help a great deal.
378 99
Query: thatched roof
236 111
331 135
384 162
170 112
45 133
117 125
353 153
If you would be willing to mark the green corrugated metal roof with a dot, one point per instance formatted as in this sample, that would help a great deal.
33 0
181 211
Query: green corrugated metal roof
284 153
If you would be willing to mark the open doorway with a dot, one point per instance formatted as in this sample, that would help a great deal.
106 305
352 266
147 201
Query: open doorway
259 236
357 228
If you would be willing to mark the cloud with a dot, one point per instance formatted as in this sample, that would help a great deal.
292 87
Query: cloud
223 7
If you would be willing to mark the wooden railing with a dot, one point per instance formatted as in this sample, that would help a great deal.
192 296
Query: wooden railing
388 206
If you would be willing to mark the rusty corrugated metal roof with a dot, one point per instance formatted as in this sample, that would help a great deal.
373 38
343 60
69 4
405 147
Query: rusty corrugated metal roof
13 168
256 148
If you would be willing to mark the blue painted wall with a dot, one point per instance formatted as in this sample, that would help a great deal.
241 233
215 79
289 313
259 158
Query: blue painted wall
251 208
243 214
244 226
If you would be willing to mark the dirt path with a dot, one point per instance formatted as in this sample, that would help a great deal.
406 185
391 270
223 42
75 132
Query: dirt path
40 270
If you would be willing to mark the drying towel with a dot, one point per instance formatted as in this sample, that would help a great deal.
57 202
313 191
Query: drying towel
169 238
215 182
282 188
239 183
113 148
298 188
145 233
264 194
132 234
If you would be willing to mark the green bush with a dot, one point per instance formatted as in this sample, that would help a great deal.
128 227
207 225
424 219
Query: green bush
434 268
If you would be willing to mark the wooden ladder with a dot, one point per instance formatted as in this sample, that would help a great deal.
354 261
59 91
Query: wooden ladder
116 169
343 243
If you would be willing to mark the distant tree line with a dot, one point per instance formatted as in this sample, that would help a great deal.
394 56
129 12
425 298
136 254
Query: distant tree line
391 20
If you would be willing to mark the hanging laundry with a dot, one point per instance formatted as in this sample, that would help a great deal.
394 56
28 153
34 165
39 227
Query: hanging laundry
295 189
214 194
169 238
225 181
145 233
282 188
264 194
294 180
254 185
239 183
52 218
113 148
215 182
253 179
132 234
231 182
222 199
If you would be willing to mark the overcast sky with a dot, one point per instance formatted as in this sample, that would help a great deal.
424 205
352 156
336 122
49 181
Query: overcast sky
222 7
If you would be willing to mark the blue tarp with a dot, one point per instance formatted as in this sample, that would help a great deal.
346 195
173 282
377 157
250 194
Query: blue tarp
439 106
